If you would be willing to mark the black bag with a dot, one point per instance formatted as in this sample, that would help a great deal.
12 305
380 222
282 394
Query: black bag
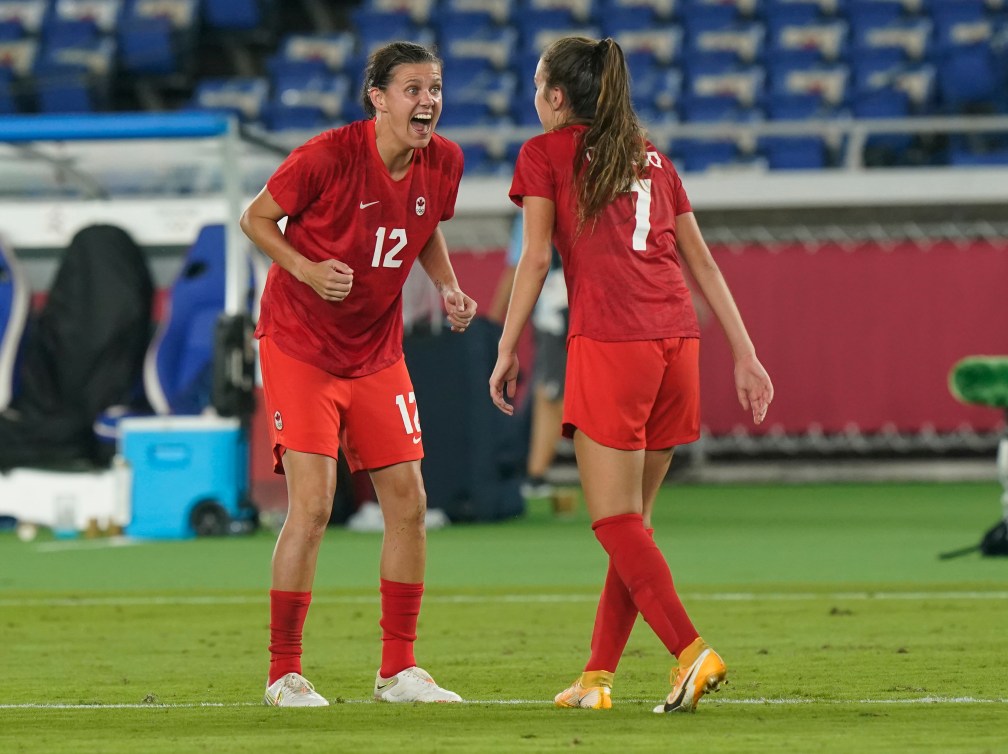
84 352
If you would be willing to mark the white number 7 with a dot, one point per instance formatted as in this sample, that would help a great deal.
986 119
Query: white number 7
642 214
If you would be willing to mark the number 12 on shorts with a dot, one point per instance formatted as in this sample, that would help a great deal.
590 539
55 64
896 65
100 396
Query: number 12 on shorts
410 423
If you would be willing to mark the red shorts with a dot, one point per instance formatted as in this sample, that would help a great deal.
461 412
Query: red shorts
373 418
633 394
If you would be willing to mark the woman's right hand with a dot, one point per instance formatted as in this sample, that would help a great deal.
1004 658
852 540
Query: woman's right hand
331 279
753 387
504 376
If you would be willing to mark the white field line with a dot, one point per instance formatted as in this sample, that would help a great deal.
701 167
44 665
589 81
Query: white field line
783 702
179 600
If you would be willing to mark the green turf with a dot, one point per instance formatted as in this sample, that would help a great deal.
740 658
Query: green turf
828 602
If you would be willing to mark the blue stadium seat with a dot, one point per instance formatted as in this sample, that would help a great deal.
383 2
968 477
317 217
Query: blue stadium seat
334 51
971 79
743 39
244 96
277 116
531 24
910 35
11 30
461 46
700 15
663 42
8 101
696 156
826 37
65 89
28 14
796 107
871 13
714 109
147 46
884 103
960 24
660 89
663 10
478 160
501 10
464 114
17 56
381 35
793 152
103 15
15 301
179 360
480 83
791 12
455 24
826 81
235 15
580 11
327 93
420 11
977 150
745 84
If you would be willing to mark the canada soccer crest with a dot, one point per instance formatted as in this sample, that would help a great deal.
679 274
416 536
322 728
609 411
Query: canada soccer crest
421 205
277 420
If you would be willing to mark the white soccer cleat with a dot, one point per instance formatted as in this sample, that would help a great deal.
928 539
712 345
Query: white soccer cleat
293 690
411 685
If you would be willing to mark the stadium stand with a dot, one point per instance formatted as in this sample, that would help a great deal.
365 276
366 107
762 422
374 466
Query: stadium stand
296 65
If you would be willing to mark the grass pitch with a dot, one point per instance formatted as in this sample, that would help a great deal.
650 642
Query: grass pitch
841 628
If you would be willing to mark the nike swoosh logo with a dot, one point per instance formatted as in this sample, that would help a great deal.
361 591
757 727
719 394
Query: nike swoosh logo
416 440
388 684
364 205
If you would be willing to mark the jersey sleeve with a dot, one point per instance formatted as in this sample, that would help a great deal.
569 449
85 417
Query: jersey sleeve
455 164
682 202
533 175
301 178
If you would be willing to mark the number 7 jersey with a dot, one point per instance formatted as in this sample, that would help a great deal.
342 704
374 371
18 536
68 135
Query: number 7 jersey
341 203
623 271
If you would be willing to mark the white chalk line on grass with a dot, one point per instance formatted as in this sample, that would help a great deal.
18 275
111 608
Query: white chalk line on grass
783 702
181 600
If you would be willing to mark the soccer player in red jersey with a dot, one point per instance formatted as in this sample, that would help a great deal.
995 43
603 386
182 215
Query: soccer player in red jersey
616 210
362 202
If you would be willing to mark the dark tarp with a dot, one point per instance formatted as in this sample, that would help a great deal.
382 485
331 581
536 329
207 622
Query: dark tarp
84 352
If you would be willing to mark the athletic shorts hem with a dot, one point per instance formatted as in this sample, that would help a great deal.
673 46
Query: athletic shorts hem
675 442
378 463
569 427
314 450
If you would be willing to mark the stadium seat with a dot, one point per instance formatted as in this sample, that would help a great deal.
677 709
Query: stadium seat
235 15
178 365
480 82
8 100
15 300
714 109
420 11
970 80
778 13
696 156
326 93
793 152
463 47
501 10
243 96
826 81
581 11
147 46
64 89
742 39
279 117
465 114
28 14
478 160
660 41
334 51
663 10
796 107
909 35
744 83
826 37
888 102
103 15
17 56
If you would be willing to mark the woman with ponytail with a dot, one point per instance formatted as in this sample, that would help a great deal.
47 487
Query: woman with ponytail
615 208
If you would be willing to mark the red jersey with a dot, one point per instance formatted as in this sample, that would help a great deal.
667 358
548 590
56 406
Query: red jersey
341 203
624 277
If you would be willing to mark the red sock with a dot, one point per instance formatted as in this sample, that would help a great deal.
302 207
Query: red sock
400 607
642 568
614 621
287 617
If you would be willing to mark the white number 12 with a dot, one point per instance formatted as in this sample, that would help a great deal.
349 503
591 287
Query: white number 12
642 214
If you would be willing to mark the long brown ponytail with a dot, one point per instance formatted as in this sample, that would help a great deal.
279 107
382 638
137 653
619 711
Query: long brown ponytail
611 156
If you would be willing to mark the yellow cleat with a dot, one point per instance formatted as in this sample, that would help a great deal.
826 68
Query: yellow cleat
593 690
706 673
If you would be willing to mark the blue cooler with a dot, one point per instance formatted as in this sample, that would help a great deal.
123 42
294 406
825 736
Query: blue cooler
190 476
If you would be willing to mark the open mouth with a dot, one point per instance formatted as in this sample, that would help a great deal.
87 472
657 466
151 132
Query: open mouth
421 123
